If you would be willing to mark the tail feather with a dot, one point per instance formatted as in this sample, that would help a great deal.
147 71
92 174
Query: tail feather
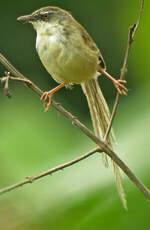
100 116
119 185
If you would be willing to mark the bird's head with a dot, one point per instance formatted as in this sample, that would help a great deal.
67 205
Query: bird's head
46 15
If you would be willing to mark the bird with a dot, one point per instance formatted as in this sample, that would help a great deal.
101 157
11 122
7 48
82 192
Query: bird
70 56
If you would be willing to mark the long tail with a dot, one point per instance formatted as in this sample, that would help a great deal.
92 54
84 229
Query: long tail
100 116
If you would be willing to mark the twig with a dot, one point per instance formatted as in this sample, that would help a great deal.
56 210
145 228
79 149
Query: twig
6 86
19 75
31 179
85 130
131 35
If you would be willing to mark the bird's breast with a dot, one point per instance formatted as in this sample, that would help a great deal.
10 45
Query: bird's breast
64 59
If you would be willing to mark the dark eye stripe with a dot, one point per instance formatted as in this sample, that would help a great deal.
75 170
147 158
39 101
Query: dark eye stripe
44 15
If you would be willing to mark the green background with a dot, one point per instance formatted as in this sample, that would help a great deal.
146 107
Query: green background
83 196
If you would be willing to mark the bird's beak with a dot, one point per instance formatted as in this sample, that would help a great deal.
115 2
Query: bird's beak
26 18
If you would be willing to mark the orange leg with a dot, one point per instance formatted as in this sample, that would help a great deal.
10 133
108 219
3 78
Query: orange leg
119 84
47 96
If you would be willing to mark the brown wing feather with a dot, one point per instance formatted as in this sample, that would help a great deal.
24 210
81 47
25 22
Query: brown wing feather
91 45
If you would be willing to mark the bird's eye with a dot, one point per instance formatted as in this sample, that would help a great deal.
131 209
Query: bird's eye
44 16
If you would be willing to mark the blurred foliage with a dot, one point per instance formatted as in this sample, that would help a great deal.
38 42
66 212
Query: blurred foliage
83 196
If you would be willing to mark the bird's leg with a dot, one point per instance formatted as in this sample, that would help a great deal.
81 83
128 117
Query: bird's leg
119 84
47 96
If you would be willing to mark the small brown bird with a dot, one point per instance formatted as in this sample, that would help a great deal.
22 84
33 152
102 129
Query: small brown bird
71 57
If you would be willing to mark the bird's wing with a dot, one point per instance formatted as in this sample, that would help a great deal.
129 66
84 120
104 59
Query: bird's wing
92 46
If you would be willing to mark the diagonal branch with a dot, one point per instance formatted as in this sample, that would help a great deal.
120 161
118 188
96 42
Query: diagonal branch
132 32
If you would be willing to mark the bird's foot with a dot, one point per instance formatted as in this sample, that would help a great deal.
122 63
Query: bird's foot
120 86
47 98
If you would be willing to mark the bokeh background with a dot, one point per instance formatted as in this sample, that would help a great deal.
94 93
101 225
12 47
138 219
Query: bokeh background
83 196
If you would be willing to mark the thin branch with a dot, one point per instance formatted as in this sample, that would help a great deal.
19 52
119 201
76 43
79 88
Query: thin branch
131 35
19 75
102 146
31 179
6 87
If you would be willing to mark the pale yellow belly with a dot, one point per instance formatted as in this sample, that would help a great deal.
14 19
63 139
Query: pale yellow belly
66 64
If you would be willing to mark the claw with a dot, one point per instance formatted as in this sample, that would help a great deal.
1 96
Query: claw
47 98
119 84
